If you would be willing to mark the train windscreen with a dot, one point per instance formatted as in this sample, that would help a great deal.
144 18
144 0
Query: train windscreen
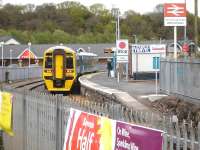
69 62
48 62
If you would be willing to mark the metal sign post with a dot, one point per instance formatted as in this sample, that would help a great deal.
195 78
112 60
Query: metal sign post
175 15
156 82
126 71
175 42
122 56
2 44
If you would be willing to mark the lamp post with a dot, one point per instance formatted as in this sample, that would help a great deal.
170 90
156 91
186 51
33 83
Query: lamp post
89 49
185 28
29 56
2 44
116 13
196 24
135 36
11 56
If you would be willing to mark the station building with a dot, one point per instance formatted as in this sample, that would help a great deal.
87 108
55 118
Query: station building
19 54
9 40
146 57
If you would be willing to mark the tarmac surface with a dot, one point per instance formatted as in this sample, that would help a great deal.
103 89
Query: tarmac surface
134 88
138 94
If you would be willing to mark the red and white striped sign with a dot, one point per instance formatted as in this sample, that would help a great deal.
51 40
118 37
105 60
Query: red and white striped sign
175 14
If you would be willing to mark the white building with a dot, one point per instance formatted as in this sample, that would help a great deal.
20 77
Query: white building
9 40
146 57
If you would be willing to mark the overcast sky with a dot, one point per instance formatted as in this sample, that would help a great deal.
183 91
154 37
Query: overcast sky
141 6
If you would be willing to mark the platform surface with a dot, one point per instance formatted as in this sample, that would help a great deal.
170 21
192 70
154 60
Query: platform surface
132 93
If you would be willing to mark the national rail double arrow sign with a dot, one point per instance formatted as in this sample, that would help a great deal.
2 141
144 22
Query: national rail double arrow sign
175 14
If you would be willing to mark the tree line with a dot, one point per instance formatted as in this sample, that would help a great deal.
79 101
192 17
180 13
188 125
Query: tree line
72 22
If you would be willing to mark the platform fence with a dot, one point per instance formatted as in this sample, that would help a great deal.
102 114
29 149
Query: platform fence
181 78
39 122
19 73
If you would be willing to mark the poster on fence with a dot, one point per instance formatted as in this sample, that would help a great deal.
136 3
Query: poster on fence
90 132
6 112
133 137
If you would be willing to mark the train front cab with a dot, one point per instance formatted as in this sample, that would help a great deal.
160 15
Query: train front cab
59 70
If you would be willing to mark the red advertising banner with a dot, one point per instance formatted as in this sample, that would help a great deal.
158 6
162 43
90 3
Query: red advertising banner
87 132
90 132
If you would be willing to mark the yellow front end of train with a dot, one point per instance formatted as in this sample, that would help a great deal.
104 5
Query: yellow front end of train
59 69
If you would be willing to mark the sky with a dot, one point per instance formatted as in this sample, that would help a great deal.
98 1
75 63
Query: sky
140 6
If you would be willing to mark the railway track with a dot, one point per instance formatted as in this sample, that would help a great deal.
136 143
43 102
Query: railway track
27 85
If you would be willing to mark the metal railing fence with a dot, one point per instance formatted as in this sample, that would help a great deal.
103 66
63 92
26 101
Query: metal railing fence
181 77
19 73
39 122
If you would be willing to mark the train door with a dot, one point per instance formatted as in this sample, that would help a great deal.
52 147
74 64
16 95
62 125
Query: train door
59 66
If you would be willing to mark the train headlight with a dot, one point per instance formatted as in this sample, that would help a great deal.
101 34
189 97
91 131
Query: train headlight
69 71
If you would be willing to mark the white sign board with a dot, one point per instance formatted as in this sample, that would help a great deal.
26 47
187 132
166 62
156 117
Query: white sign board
148 48
175 14
122 51
122 59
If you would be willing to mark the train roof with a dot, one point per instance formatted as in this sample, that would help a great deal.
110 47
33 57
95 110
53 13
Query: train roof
60 47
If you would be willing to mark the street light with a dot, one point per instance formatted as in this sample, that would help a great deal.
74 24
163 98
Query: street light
11 56
88 49
135 36
29 56
2 43
185 27
116 13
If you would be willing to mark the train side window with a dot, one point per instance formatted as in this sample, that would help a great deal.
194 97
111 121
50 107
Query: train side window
48 62
69 62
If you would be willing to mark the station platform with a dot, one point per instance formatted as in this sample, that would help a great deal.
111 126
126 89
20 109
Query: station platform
132 93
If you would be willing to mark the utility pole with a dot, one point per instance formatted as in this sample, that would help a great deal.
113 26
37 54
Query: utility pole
196 25
116 13
185 27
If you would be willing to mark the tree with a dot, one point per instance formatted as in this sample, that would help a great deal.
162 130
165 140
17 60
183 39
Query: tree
60 36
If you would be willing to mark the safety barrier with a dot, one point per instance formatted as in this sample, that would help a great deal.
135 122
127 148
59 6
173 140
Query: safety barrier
39 122
180 77
19 73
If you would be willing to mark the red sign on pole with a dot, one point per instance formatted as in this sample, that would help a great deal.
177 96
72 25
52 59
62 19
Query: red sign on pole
175 14
175 10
